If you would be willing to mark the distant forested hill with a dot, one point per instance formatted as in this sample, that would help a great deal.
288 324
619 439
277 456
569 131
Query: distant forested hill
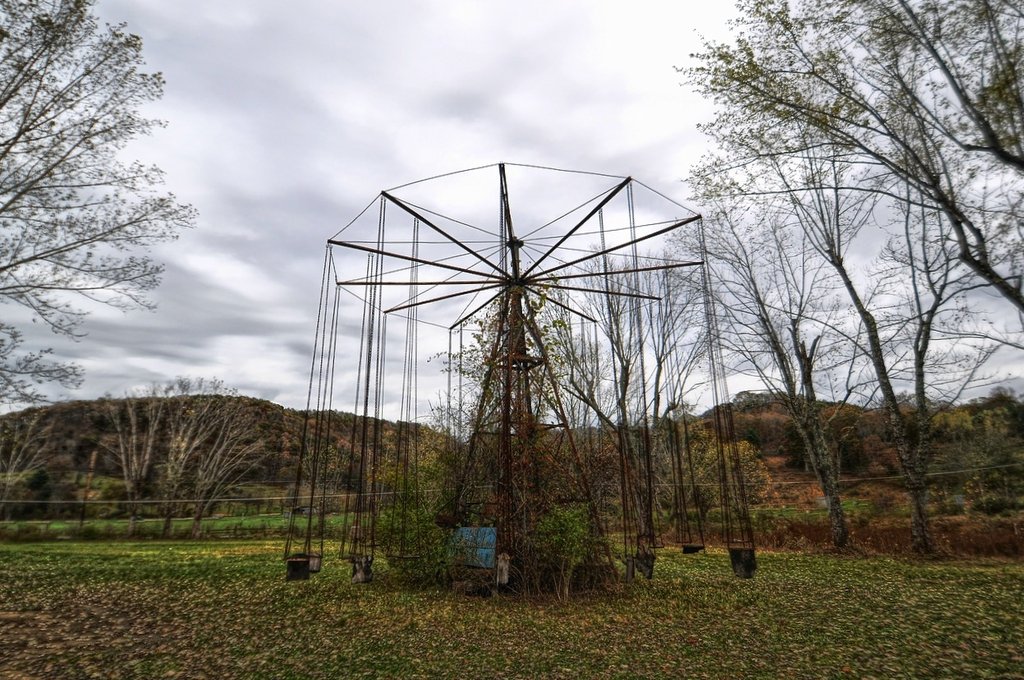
144 449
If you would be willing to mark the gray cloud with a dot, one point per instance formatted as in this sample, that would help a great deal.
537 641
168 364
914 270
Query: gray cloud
286 119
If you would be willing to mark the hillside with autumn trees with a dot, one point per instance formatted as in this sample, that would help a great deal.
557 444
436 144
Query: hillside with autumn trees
194 450
977 458
177 450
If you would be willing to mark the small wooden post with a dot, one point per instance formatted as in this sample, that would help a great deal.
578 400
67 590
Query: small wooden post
501 572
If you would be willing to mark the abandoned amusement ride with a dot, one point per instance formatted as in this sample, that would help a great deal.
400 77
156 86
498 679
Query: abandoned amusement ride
528 351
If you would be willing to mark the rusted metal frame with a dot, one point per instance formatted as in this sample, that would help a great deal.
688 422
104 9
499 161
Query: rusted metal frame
439 298
559 406
466 317
407 208
611 194
515 389
564 215
485 385
674 225
639 296
506 486
510 234
452 282
563 306
410 258
636 270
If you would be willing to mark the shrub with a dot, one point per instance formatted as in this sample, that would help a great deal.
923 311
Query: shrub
995 505
418 549
562 541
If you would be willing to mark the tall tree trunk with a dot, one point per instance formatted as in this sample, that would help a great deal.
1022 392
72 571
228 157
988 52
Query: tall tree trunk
807 414
920 536
821 460
828 478
907 444
914 461
836 516
133 511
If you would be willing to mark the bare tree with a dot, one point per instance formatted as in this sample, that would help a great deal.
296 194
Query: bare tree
22 439
926 95
231 448
191 439
627 369
74 219
776 296
190 425
914 106
913 308
21 372
138 424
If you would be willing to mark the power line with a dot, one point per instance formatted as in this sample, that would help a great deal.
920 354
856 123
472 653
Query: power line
856 480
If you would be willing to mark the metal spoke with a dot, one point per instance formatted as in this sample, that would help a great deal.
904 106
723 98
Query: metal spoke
410 258
404 206
611 194
667 229
441 297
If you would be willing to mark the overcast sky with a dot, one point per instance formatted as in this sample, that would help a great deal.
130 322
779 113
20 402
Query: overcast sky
285 119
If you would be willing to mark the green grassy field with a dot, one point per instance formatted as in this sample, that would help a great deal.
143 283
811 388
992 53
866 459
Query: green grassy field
238 526
223 609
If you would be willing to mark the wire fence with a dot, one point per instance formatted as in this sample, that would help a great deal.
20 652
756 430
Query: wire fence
265 516
304 495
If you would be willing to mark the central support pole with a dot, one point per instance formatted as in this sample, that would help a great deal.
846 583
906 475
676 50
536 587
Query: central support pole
516 491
